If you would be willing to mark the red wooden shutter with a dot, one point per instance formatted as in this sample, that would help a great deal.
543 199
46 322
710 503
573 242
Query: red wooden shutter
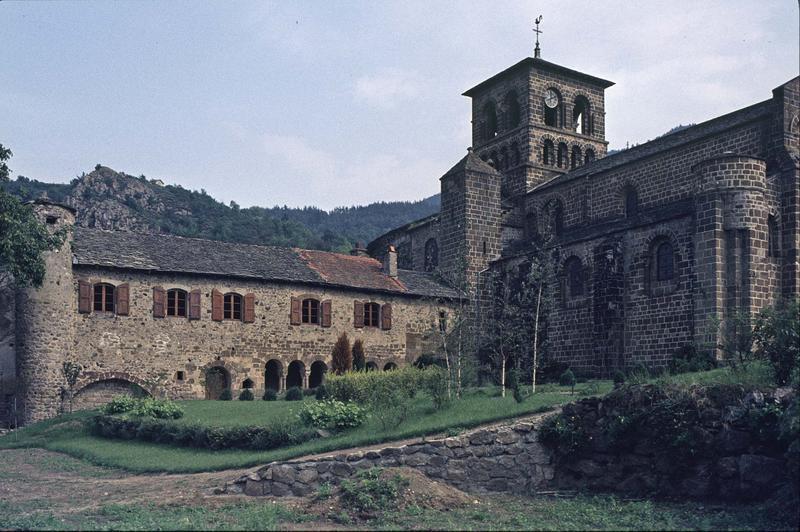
294 314
249 308
84 297
326 313
122 295
159 302
386 316
194 304
358 314
216 305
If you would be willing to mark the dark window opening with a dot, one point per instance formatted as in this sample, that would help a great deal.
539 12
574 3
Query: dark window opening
442 321
631 202
180 375
561 160
516 156
431 255
104 298
176 303
51 220
665 262
310 311
372 315
484 247
530 225
575 160
557 221
773 237
580 116
513 114
574 270
589 157
232 307
247 384
548 155
490 118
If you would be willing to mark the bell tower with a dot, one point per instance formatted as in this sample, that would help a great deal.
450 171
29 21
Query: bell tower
536 120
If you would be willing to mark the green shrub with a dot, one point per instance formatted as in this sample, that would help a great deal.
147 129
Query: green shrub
638 373
516 388
342 355
294 394
434 381
567 379
246 395
308 392
619 379
120 404
332 414
321 393
372 490
564 434
777 337
270 395
359 357
689 359
592 388
226 395
280 434
147 407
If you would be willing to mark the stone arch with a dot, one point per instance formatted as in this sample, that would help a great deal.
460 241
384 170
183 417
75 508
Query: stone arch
96 389
588 155
548 152
490 120
576 159
513 111
581 115
656 282
629 196
371 365
318 371
554 117
273 375
389 366
296 374
217 380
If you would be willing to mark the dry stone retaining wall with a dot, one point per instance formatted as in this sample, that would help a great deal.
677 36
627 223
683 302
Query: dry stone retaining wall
501 459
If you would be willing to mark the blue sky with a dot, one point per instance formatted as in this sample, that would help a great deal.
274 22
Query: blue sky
338 103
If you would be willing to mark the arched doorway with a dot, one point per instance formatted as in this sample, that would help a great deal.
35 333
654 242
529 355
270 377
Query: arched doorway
318 371
371 366
217 380
389 366
273 373
100 392
295 375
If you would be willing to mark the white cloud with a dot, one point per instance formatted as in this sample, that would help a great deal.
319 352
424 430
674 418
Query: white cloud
388 87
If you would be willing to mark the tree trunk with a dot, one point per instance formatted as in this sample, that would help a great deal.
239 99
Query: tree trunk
502 374
447 364
536 338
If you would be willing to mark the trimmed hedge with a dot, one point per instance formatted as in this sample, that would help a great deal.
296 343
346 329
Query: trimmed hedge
257 438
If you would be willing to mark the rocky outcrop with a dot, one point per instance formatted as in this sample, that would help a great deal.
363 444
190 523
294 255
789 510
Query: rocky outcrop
498 459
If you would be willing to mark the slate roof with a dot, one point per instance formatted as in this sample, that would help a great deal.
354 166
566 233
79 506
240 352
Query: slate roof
471 163
175 254
541 64
661 144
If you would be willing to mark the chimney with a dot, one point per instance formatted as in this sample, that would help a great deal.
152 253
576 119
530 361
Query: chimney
390 262
359 250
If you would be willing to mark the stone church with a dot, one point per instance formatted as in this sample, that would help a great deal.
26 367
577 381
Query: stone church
648 246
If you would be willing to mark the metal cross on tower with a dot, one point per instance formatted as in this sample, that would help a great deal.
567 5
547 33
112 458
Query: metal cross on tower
537 52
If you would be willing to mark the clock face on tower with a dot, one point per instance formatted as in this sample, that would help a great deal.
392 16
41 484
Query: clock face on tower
551 98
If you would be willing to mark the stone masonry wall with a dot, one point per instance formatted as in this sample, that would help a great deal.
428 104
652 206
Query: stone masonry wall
500 459
153 350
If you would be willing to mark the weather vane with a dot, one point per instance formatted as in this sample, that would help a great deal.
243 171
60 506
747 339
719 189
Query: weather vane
537 52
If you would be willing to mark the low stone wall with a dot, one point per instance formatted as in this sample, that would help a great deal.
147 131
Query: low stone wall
502 459
725 455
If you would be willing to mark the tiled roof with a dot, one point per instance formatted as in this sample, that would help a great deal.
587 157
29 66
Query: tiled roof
689 134
471 163
169 253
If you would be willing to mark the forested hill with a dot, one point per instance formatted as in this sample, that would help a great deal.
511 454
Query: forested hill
113 200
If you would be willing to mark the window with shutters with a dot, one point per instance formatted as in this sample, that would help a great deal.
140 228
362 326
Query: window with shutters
176 303
372 315
103 297
310 311
232 307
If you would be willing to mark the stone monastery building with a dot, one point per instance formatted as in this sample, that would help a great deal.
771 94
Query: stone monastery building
647 247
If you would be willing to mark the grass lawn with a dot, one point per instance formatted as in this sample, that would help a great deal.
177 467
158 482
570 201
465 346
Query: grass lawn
69 435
